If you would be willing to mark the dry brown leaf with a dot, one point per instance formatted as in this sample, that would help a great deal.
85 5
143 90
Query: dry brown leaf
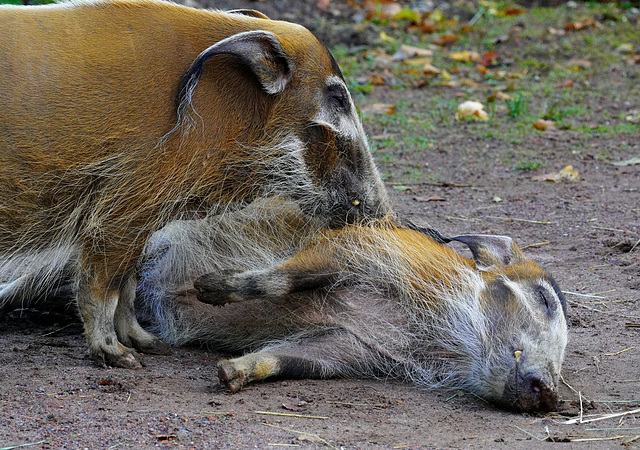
412 52
544 125
465 56
489 58
556 32
513 11
431 70
581 24
633 59
417 61
566 174
498 95
482 69
447 38
427 26
579 63
468 82
471 109
566 84
380 108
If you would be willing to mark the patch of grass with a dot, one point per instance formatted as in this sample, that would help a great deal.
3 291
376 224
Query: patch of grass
527 165
517 106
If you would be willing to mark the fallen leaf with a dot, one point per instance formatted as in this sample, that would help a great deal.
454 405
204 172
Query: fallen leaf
482 69
465 56
489 59
581 24
629 162
377 80
498 95
579 64
447 38
385 37
323 5
566 84
384 9
625 48
513 11
633 59
566 174
633 117
412 52
544 125
427 26
471 109
390 10
431 70
380 108
468 82
417 61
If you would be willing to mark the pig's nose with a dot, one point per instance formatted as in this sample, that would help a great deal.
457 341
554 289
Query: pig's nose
535 393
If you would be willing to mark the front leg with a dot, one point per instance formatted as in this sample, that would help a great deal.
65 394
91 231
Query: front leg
231 286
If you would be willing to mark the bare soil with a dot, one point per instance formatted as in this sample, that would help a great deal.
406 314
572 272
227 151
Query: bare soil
586 233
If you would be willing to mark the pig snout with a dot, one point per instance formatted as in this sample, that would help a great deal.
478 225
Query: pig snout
530 392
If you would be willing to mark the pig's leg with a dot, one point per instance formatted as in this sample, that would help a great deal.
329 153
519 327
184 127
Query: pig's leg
97 302
233 286
314 267
127 328
329 355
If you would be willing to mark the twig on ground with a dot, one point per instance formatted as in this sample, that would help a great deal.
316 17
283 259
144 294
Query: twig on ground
55 331
514 219
527 433
613 438
621 351
602 417
584 295
302 433
537 244
299 416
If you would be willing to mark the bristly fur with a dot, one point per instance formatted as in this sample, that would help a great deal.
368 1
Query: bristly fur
401 305
112 158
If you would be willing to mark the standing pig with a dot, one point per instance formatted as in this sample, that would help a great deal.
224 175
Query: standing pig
117 117
364 301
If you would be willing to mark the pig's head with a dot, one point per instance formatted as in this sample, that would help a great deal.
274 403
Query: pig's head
303 122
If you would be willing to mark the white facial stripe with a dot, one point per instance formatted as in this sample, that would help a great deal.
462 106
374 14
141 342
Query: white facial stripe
346 125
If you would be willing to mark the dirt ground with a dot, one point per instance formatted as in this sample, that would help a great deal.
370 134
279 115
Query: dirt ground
585 232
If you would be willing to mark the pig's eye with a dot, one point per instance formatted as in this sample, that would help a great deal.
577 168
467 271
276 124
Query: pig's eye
545 299
338 97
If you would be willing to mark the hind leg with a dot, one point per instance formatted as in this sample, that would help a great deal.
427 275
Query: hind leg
335 353
127 327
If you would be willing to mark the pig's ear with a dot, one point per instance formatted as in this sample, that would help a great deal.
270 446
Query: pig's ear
489 250
260 51
249 12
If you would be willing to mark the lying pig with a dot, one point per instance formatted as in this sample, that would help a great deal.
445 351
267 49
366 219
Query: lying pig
362 301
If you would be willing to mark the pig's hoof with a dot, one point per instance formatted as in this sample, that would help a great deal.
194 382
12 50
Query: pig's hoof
232 378
154 347
126 360
216 288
